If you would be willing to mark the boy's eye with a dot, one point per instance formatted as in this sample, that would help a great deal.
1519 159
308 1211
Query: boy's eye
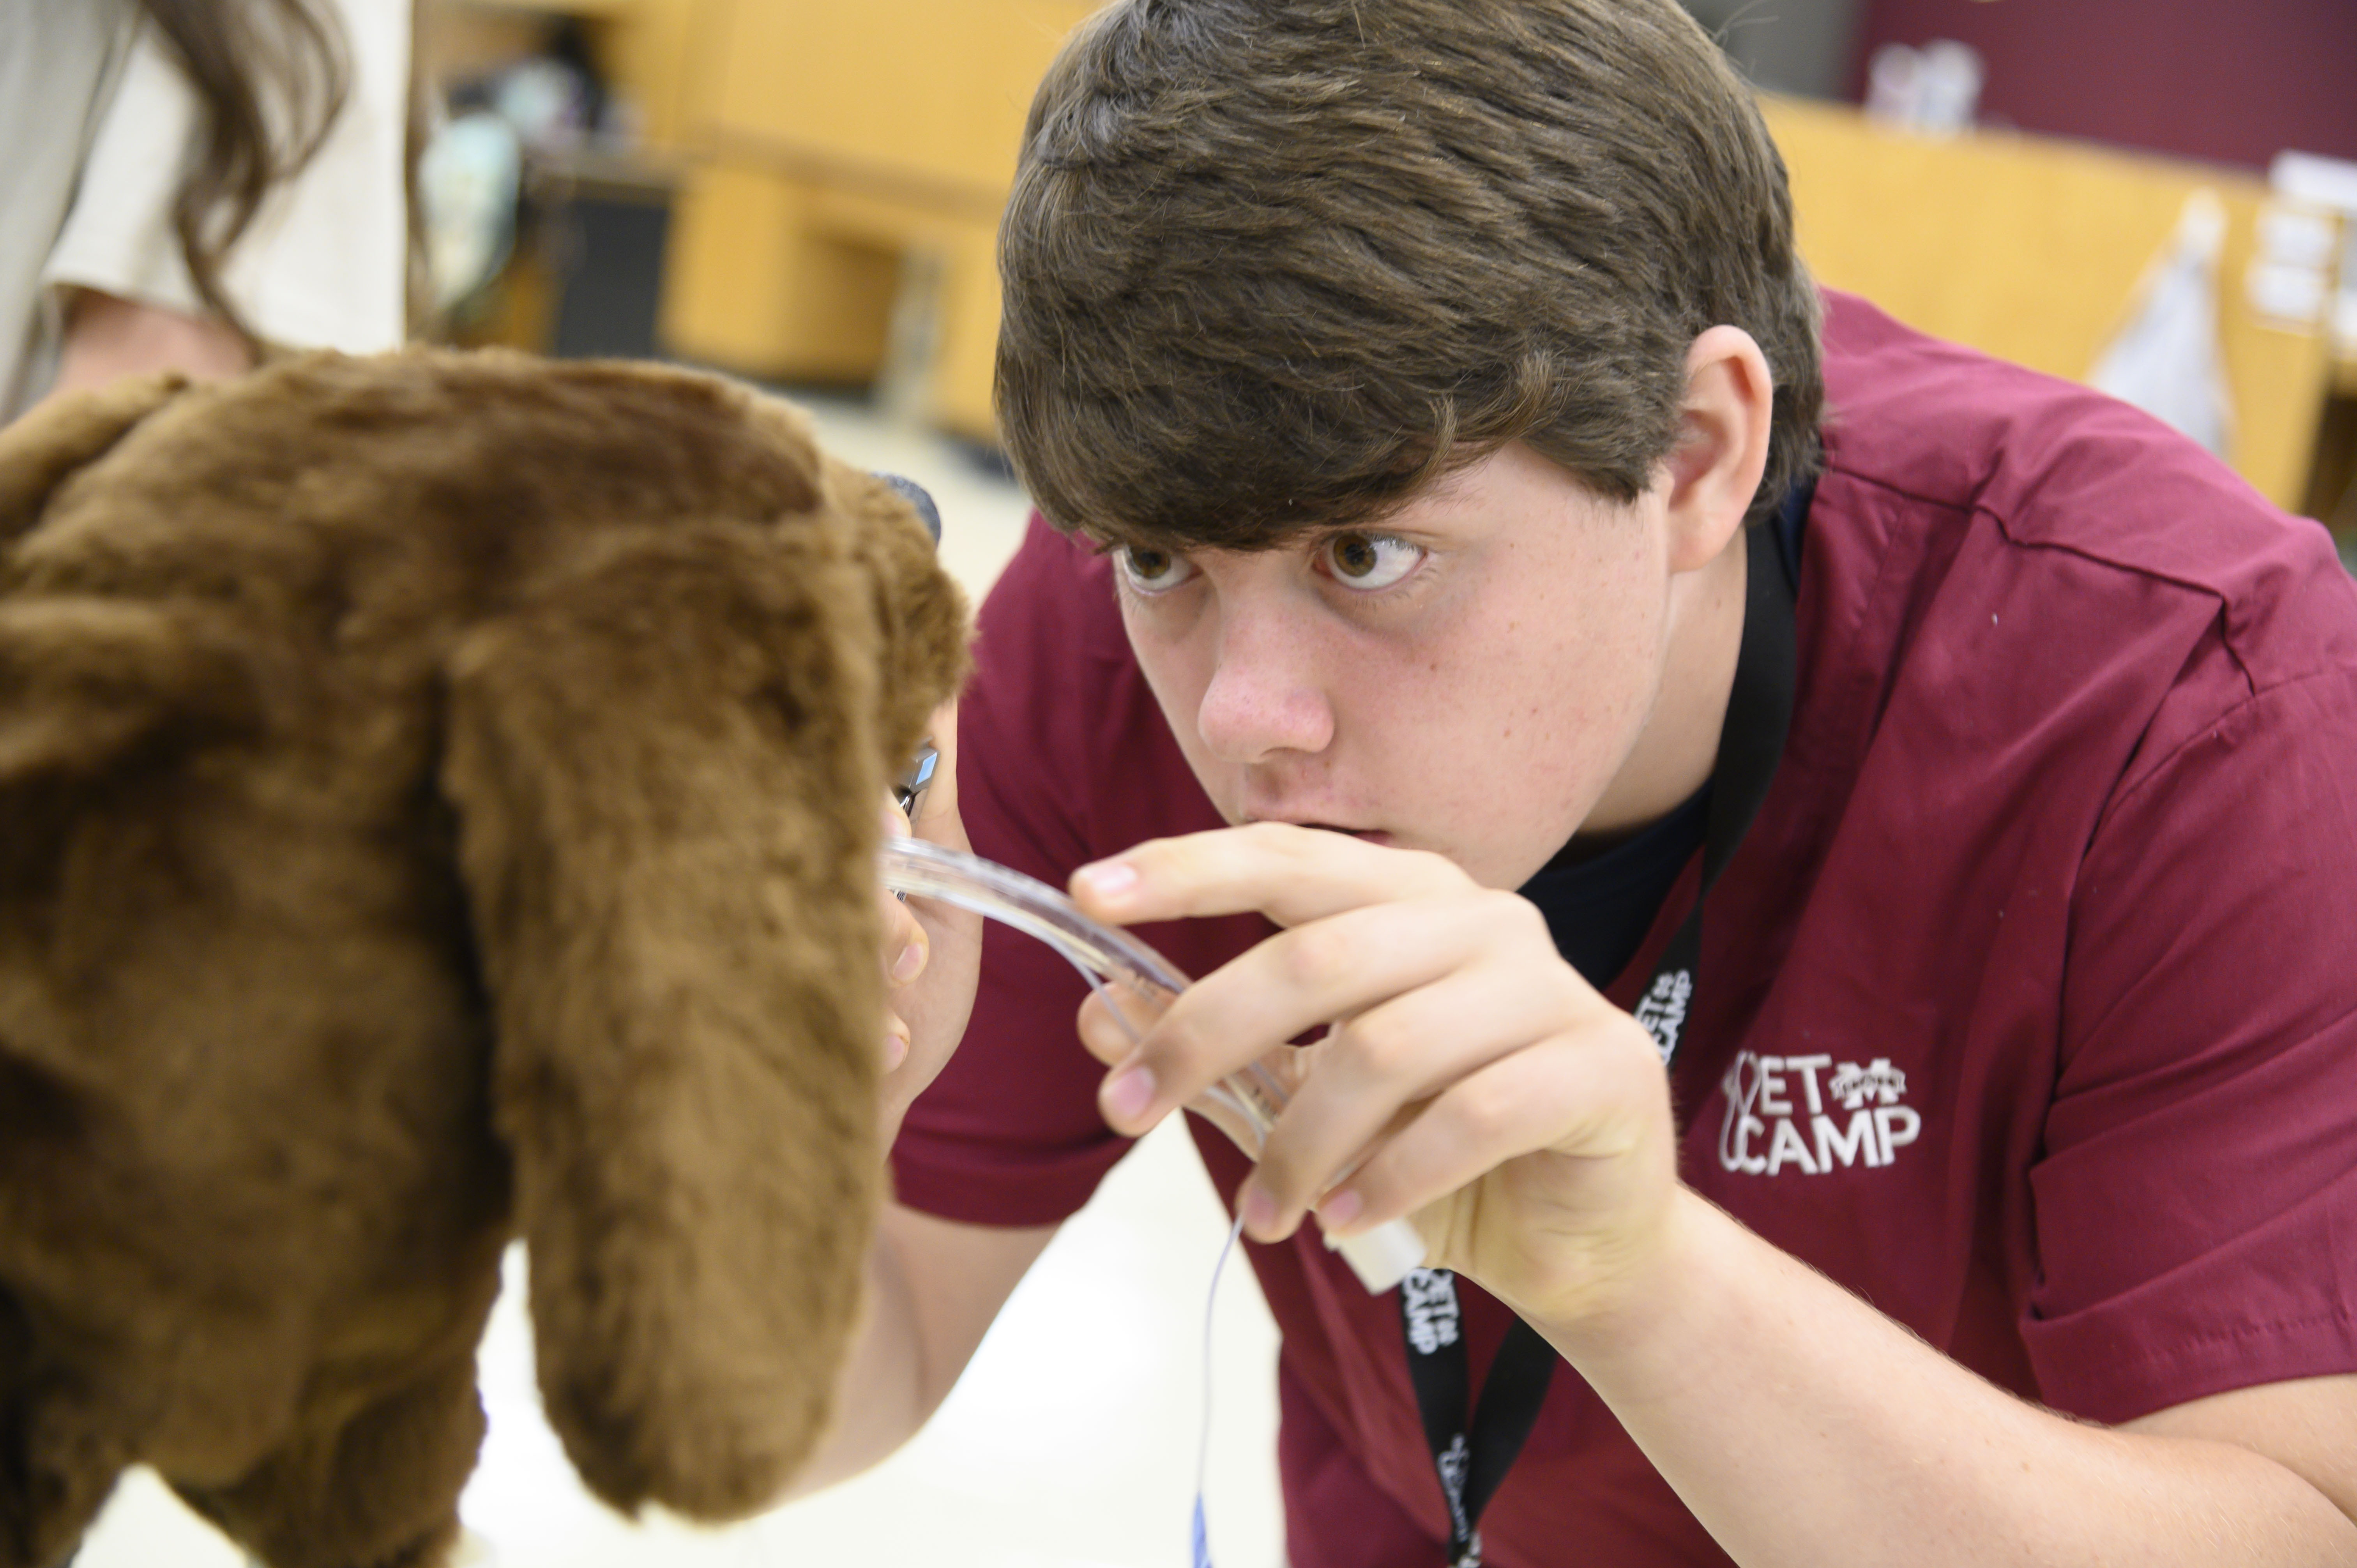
1370 561
1146 570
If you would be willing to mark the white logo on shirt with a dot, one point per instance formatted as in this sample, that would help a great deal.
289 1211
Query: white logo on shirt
1767 1128
1430 1295
1455 1461
1664 1010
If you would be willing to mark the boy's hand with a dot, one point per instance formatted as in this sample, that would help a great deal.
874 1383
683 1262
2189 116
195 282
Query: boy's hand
1471 1078
932 952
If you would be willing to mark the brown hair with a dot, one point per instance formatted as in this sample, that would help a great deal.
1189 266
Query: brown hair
270 77
1270 265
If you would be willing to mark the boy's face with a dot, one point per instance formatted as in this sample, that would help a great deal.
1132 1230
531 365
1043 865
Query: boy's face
1471 676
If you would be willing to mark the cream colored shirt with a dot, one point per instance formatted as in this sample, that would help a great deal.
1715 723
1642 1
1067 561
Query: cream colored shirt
95 119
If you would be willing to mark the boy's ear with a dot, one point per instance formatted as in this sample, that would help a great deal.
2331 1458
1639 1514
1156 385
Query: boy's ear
1722 447
38 450
666 769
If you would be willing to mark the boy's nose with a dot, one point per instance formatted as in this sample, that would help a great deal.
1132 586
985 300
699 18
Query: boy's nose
1265 696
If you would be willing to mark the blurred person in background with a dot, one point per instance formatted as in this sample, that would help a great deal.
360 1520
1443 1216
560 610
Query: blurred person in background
188 181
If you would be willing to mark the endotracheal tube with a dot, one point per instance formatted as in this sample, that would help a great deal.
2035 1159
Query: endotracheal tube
1245 1104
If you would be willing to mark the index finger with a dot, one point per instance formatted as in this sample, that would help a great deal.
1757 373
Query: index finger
1292 874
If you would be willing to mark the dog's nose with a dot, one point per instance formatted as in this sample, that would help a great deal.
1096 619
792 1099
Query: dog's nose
914 494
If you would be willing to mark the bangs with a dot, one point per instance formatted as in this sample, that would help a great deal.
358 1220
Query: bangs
1207 449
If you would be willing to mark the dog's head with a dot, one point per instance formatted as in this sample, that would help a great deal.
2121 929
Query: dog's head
437 802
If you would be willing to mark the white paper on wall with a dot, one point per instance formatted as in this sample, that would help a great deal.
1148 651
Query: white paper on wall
2166 359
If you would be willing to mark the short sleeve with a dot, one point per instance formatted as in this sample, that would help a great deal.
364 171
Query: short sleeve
2196 1200
324 264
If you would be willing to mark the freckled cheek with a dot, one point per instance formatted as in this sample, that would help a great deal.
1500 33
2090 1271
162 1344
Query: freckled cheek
1561 709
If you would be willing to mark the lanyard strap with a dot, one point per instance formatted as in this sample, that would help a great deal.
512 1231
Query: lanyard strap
1470 1462
1472 1456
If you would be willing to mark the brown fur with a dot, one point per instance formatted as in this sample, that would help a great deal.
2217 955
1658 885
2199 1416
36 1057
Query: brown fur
437 802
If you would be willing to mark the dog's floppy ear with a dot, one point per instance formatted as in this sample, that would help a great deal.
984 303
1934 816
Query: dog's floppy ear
667 775
53 439
84 685
83 682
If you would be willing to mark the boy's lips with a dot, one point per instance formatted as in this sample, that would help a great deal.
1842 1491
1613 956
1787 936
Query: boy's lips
1368 836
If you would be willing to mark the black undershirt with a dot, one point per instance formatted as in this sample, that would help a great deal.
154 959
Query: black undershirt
1600 904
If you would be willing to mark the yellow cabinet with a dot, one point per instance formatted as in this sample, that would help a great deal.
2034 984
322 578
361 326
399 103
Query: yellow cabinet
850 160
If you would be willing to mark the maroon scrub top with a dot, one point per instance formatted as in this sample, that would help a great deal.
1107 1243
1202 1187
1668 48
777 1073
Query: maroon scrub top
2027 1010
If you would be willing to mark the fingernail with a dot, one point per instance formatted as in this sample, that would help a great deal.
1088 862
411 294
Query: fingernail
1129 1095
911 959
1259 1210
1107 878
1337 1209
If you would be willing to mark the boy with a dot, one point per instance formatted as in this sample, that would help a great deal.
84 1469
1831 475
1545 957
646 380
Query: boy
1470 565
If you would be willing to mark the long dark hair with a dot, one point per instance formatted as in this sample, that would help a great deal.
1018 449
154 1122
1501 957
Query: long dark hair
270 76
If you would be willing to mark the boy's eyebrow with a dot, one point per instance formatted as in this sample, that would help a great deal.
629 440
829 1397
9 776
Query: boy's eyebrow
1102 538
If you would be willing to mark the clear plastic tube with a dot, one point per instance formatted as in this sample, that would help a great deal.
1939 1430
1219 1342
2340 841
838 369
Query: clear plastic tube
1245 1104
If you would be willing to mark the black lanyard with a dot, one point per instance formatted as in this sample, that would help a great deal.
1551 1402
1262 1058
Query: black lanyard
1472 1457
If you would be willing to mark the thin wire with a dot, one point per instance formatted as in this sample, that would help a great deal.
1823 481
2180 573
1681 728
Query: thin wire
1198 1533
1203 1445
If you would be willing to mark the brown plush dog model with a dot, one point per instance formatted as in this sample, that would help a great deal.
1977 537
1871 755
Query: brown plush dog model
439 801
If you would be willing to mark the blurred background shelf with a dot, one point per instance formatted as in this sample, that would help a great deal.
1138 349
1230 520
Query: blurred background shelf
830 180
836 173
2032 248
